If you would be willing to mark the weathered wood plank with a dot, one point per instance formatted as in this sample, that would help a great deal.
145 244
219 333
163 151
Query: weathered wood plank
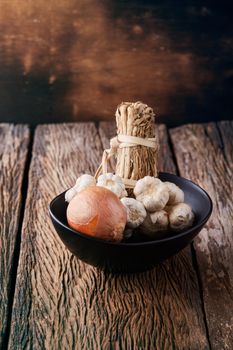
62 303
205 156
13 152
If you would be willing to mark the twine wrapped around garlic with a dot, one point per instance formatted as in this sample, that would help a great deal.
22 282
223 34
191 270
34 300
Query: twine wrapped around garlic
136 145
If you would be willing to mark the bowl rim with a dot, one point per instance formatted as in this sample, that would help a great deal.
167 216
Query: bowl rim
156 241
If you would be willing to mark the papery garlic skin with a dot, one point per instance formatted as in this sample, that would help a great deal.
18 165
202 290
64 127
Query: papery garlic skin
154 223
152 192
114 183
84 181
69 195
136 212
176 195
180 216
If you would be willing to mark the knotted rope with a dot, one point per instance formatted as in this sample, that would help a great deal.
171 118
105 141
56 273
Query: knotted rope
123 141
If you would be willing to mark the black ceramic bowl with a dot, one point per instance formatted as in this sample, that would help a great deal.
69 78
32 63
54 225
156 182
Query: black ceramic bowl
132 256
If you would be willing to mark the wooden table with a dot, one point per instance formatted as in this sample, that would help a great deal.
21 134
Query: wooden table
51 300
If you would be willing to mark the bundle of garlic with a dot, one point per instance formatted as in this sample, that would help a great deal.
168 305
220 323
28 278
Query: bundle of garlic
157 207
136 145
138 153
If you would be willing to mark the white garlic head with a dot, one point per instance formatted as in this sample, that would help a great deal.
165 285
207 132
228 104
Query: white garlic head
154 223
176 195
69 195
135 210
112 182
152 192
180 216
83 182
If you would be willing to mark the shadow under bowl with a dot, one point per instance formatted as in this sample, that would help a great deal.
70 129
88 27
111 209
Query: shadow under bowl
133 256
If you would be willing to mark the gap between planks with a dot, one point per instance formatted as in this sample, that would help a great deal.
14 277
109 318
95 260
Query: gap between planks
18 237
20 141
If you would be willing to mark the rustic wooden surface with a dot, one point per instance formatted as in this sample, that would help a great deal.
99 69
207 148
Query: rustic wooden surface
205 155
62 303
13 152
79 59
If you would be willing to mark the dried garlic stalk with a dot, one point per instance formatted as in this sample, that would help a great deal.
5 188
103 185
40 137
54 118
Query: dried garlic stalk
136 119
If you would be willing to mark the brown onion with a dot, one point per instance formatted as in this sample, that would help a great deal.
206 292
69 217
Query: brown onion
97 212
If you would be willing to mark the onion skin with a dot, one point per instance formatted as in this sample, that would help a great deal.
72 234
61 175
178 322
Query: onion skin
97 212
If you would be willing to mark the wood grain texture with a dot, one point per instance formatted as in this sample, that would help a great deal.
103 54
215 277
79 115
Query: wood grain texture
62 303
205 155
13 152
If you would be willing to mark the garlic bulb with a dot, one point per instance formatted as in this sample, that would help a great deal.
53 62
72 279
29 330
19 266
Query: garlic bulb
69 195
83 182
176 195
180 216
154 223
114 183
152 192
136 212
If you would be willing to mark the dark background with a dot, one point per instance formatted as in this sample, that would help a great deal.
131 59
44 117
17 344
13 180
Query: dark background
73 60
